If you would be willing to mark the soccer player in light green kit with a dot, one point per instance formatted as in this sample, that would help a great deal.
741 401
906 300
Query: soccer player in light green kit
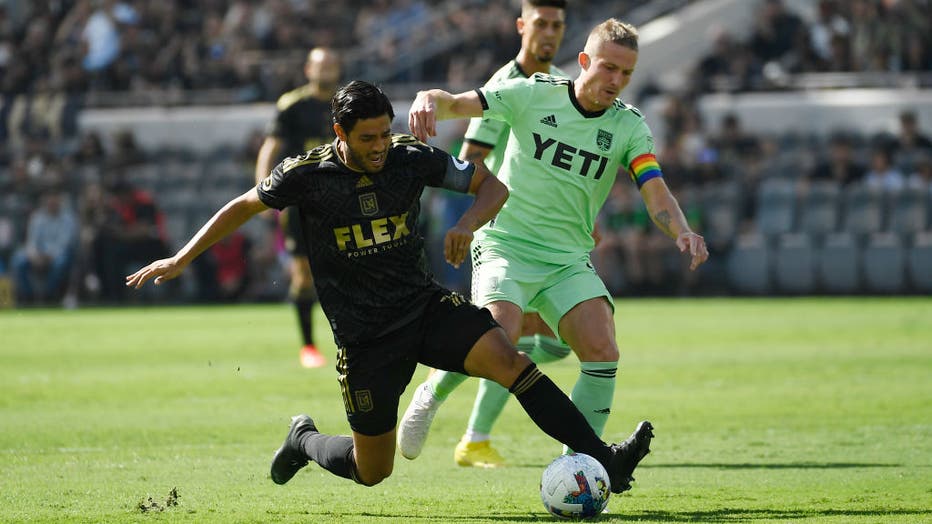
541 26
568 140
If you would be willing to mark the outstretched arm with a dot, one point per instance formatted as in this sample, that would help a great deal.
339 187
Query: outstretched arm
667 215
436 104
491 195
228 219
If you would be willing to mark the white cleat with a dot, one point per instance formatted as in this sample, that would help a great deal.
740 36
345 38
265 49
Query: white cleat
415 423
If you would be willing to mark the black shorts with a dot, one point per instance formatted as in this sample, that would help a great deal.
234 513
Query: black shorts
374 374
290 220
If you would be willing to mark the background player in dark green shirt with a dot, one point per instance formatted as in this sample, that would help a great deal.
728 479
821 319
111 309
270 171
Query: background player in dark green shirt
302 122
359 198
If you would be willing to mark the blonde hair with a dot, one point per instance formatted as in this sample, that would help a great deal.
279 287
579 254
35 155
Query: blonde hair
614 31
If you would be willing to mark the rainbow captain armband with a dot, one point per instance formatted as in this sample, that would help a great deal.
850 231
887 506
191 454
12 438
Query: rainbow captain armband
644 168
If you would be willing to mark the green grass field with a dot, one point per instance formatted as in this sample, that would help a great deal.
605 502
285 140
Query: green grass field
797 410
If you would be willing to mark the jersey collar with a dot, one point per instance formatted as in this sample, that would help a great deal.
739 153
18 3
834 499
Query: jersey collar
571 90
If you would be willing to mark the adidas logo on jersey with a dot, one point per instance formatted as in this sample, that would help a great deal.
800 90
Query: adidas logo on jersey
549 120
364 181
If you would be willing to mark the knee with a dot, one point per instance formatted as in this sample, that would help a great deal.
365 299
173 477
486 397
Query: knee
373 477
606 351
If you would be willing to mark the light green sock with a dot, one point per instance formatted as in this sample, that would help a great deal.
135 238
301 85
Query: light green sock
442 383
491 397
594 391
547 349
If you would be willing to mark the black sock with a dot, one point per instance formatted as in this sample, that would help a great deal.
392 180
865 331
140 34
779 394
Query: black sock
332 452
304 307
556 415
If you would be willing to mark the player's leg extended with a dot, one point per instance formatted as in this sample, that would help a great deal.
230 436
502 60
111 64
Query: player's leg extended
415 423
364 459
539 343
590 330
494 358
475 449
463 338
580 305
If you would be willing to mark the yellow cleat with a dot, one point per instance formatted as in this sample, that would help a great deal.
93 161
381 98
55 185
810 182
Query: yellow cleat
477 455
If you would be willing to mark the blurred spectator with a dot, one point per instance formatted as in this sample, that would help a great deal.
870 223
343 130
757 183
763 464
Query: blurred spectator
882 174
133 233
840 165
624 257
48 254
911 143
231 257
921 178
126 152
775 32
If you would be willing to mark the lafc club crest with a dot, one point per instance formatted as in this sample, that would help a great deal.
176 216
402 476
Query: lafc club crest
368 204
364 400
604 140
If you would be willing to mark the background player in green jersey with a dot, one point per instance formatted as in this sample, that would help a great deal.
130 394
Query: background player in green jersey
541 26
568 140
302 122
359 199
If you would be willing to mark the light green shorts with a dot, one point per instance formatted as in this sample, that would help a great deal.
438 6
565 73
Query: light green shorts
551 290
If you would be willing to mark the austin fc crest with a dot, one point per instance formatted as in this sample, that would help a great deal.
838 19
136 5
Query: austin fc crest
604 140
368 204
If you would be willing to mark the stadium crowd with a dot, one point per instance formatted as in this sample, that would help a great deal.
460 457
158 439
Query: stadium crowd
74 212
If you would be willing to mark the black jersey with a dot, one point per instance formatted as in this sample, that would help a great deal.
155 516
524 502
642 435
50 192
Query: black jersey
365 248
302 122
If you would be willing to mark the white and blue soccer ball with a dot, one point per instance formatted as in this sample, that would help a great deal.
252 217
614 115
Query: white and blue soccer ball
575 486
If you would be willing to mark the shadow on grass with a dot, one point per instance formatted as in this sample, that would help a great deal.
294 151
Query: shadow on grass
723 516
788 465
750 465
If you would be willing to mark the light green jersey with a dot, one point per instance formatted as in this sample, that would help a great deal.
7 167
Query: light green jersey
560 163
494 133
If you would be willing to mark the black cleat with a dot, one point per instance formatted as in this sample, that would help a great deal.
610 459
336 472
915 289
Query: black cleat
290 458
627 455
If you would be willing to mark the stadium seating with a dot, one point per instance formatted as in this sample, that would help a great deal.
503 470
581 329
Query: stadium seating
920 263
776 206
863 210
794 264
885 264
749 265
907 213
721 209
819 209
838 264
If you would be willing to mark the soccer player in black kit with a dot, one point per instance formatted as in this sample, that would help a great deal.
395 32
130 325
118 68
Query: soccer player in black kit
302 122
359 202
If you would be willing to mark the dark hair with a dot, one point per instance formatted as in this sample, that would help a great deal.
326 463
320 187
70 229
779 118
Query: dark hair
561 4
359 100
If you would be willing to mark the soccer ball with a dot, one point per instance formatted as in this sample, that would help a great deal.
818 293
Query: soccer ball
575 486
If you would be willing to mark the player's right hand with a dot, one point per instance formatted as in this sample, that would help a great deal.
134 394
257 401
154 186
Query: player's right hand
422 118
162 270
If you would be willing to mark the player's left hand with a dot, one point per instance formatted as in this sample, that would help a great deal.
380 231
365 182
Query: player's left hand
456 245
422 118
696 247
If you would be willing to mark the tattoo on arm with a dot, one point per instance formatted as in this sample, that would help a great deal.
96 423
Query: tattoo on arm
662 219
